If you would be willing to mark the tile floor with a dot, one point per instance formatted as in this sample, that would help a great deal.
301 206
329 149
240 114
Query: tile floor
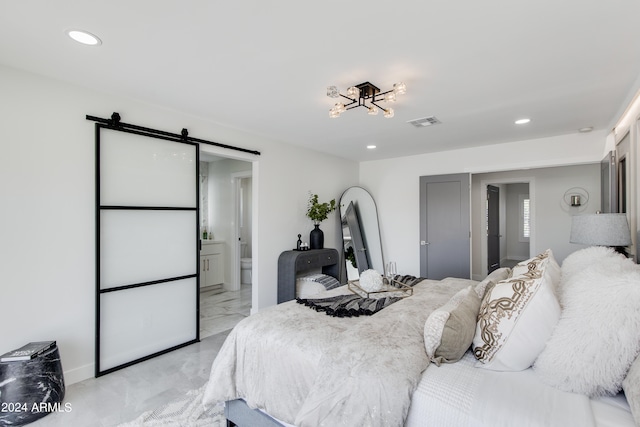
125 394
508 263
221 310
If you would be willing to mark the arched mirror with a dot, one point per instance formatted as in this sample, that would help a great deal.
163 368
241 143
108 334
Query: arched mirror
360 233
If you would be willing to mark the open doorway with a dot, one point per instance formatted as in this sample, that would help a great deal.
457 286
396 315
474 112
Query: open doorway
508 223
226 204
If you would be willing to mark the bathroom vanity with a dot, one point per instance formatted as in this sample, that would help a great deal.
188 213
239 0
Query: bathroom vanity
211 263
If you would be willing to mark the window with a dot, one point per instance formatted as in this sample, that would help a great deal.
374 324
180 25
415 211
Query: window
525 217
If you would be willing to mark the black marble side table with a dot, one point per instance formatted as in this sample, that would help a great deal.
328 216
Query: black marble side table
31 389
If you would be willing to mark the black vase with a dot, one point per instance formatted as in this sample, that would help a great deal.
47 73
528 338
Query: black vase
316 238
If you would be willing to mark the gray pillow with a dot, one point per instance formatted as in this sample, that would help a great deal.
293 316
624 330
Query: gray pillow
449 330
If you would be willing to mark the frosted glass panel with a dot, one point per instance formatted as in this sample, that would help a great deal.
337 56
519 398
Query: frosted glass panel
137 322
142 246
141 171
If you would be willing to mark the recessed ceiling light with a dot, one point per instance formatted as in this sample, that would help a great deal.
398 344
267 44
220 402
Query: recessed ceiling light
522 121
585 129
371 147
84 37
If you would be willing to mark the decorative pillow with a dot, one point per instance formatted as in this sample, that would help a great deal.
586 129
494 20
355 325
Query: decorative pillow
449 330
517 316
495 276
631 387
313 284
371 281
523 267
579 261
598 335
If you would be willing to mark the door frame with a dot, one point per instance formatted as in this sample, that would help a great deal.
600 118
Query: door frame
483 203
236 247
255 174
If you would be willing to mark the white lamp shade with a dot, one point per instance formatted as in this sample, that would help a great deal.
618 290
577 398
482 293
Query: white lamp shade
600 230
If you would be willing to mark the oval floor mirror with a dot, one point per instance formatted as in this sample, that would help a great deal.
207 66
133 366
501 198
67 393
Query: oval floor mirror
360 233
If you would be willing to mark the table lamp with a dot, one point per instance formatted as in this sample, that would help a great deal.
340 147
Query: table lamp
601 229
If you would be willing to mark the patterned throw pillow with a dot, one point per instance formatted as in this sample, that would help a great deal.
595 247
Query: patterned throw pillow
517 315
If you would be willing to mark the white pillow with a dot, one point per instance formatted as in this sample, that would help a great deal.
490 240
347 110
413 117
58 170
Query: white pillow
579 261
313 284
517 316
308 288
598 335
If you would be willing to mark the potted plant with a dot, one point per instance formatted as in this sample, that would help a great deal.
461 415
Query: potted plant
318 212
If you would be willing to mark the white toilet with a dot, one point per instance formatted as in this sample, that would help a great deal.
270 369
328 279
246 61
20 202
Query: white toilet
245 264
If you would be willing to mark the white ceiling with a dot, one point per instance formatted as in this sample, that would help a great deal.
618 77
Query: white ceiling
263 66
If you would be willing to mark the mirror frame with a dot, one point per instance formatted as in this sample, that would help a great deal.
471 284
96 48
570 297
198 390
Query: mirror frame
370 227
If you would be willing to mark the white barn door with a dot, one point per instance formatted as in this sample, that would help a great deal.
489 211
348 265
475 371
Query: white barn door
146 246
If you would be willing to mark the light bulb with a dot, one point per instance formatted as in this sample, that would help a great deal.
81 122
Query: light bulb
373 111
340 107
332 92
400 88
353 92
388 113
390 97
333 113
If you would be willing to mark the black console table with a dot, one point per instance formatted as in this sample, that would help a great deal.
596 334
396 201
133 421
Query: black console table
290 263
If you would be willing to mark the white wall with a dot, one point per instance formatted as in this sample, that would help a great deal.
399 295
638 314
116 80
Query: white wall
47 228
394 183
551 216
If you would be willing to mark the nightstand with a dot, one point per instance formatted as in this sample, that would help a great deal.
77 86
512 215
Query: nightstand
290 263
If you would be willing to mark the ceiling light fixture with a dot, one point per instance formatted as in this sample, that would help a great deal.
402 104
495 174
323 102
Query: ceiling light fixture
365 95
84 37
522 121
371 147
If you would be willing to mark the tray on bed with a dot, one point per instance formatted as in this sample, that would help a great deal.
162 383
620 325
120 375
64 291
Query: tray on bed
393 289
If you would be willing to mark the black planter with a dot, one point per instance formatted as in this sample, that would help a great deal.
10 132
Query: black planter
316 238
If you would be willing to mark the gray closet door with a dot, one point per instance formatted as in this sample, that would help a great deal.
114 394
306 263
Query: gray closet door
445 229
147 247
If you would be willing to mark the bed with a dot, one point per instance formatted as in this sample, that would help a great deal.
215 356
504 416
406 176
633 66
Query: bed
538 345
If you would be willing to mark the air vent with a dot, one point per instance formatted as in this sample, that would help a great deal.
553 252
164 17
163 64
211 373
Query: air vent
425 121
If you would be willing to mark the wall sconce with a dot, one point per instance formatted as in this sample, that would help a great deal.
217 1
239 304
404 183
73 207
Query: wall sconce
576 197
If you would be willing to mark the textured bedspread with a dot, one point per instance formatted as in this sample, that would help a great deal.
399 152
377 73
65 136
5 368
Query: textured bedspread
309 369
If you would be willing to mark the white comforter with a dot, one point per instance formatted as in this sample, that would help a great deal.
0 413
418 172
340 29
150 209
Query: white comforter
310 370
